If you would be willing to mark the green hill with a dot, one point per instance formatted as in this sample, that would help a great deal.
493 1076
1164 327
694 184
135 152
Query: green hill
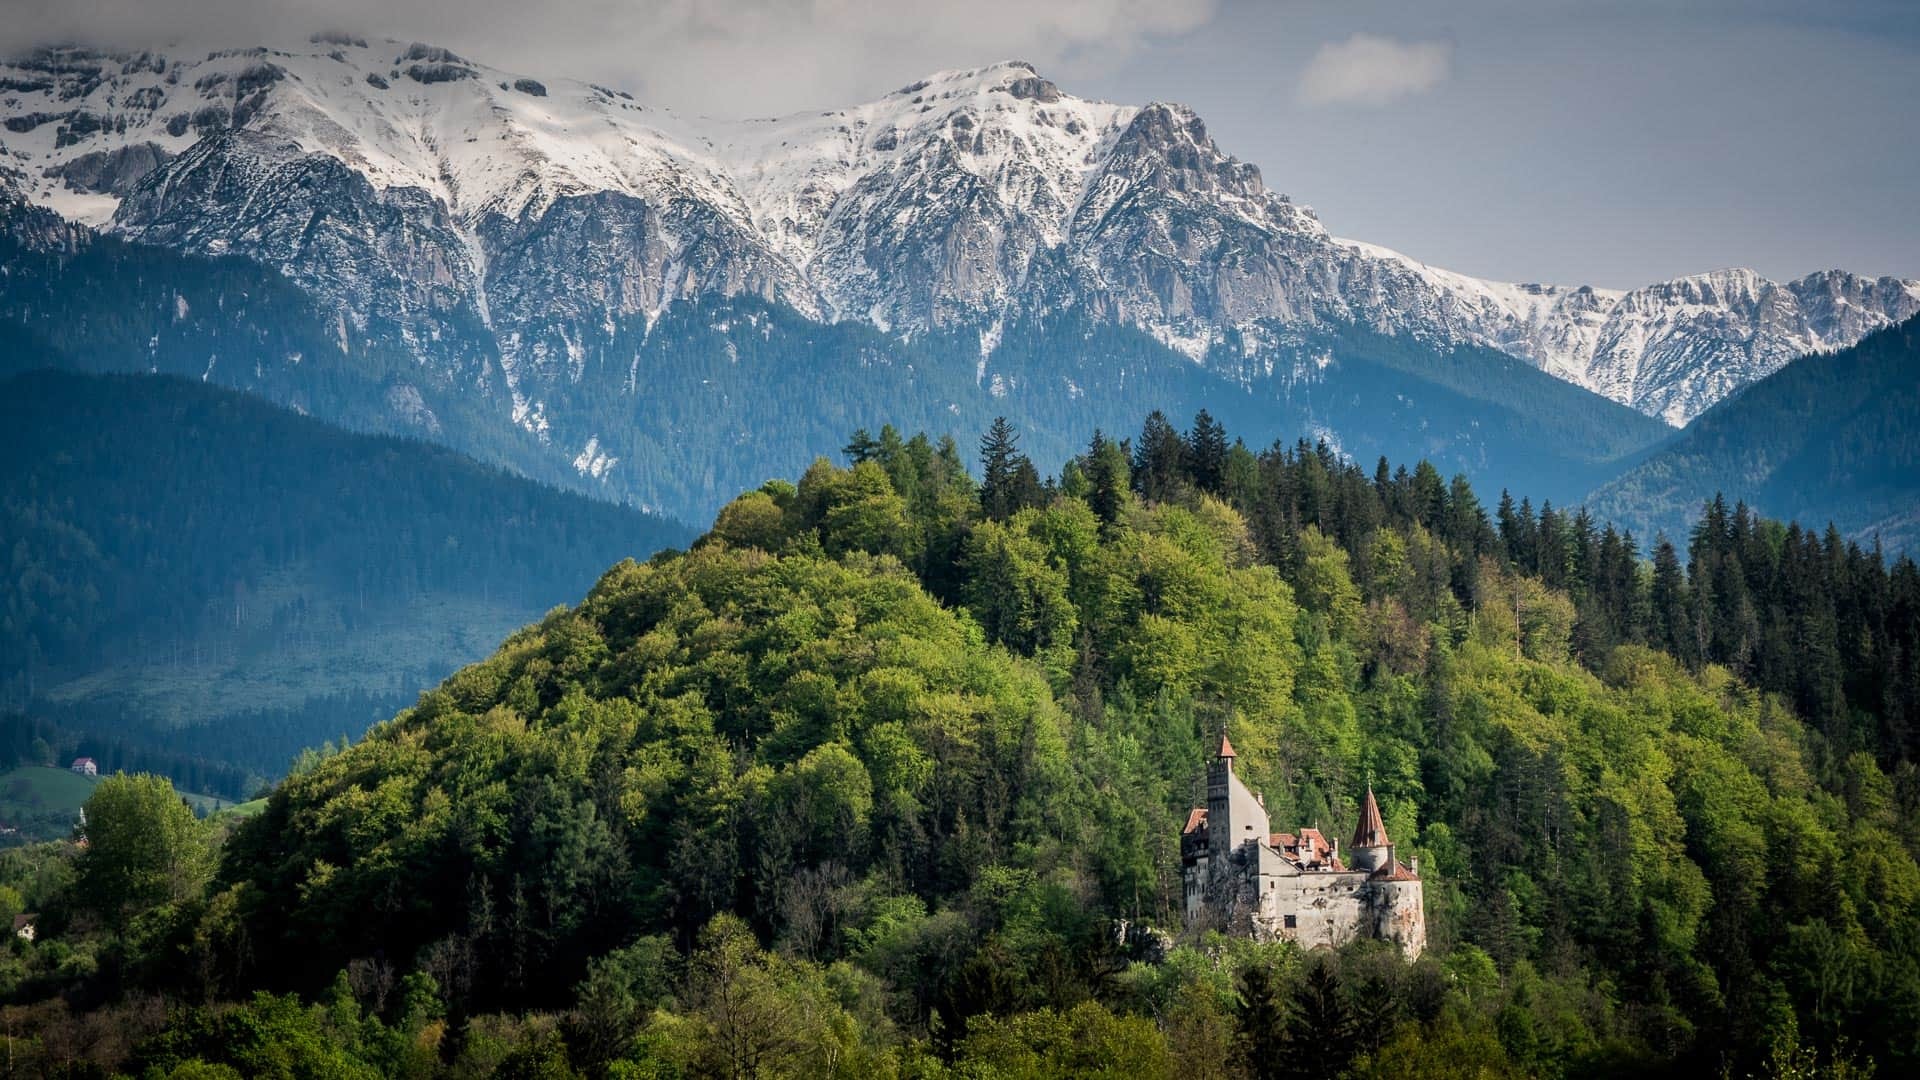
885 777
1828 438
881 733
40 789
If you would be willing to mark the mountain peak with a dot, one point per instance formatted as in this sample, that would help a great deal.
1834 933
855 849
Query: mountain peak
1001 75
970 197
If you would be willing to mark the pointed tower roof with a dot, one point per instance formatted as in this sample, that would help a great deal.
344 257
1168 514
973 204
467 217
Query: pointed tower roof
1372 831
1226 748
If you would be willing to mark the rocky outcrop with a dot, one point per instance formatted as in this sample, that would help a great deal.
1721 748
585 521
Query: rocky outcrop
391 260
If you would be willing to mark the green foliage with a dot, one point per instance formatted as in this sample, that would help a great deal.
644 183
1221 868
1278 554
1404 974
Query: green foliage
266 1036
145 847
865 782
1086 1041
598 788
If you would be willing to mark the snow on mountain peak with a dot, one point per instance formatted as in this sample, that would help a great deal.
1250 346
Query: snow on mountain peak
550 209
401 114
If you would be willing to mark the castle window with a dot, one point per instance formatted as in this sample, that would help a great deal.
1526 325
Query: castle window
1291 922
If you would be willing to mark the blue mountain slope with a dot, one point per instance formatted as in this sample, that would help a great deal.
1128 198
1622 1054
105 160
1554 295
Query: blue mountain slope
1833 438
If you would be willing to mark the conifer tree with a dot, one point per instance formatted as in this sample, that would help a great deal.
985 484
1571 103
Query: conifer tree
1429 495
1466 522
1671 629
998 448
1159 461
1107 478
860 448
1509 524
1024 487
1207 453
1263 1023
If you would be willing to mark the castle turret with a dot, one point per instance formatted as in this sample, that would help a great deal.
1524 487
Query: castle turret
1371 849
1219 801
1234 814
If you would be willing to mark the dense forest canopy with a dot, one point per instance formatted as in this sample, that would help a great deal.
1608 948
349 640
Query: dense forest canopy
867 781
178 553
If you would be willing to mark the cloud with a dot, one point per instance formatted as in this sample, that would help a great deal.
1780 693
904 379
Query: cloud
1367 69
721 57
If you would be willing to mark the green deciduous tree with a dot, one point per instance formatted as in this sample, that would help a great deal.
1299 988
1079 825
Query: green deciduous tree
144 846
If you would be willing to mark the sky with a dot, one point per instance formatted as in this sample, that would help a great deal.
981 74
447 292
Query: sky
1569 141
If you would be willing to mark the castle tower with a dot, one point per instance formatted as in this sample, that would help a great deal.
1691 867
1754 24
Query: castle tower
1371 850
1220 780
1235 817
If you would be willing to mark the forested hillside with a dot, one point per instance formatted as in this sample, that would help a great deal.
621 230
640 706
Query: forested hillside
179 554
714 396
1827 438
862 784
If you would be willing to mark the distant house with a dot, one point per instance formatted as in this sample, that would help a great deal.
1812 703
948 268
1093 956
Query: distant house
23 926
86 766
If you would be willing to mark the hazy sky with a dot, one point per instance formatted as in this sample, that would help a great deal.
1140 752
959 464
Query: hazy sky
1553 140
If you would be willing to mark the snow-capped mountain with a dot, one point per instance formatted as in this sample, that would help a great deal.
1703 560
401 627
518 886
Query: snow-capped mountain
504 229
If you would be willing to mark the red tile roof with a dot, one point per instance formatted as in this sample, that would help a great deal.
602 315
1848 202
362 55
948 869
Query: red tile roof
1196 819
1372 831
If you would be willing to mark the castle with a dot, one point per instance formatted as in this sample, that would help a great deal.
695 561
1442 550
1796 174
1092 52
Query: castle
1244 878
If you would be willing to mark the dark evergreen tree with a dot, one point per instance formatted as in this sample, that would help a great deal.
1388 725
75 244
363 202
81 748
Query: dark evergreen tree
1024 487
1106 472
1509 524
1265 1046
861 447
1320 1022
1159 461
998 449
1429 496
1207 453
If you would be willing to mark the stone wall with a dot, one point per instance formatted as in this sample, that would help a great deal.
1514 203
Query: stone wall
1327 908
1400 915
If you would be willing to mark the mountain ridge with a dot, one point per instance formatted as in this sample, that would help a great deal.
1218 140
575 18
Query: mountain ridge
1824 441
965 199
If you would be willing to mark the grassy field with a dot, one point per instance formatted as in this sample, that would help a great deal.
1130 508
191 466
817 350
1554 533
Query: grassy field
239 811
37 787
43 802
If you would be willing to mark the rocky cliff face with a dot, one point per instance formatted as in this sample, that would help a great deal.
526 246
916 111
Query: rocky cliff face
1675 348
390 259
503 229
34 228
